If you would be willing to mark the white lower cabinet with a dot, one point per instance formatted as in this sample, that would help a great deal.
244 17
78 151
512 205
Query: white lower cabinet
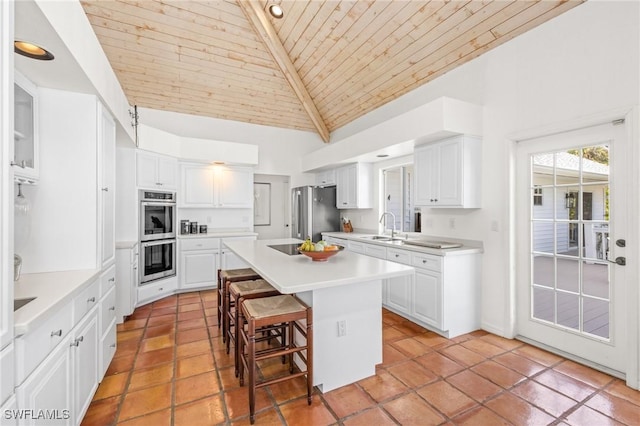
199 262
126 281
9 412
230 260
50 388
427 298
85 359
156 290
62 386
442 294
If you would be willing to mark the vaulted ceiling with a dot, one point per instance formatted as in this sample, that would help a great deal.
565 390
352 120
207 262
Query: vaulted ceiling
324 64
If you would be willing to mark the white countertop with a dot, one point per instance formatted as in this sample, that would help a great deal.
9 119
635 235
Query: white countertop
298 273
52 291
468 246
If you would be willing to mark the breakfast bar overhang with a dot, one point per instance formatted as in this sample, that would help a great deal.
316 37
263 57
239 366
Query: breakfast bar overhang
345 293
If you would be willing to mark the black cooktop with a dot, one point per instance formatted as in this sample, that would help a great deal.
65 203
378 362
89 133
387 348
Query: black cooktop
290 249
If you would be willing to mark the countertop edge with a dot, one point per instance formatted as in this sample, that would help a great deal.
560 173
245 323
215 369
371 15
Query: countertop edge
33 314
361 237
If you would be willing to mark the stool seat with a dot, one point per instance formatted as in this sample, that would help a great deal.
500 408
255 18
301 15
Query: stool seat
273 306
245 288
241 274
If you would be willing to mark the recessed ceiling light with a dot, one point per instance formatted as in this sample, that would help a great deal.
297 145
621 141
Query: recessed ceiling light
276 11
32 51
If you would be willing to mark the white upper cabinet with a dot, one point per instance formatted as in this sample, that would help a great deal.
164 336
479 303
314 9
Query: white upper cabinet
448 173
235 187
156 171
204 185
354 186
326 177
25 133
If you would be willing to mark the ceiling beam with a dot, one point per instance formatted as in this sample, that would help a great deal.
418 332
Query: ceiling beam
253 10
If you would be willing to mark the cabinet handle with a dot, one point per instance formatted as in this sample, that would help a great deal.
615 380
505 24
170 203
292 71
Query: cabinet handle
76 342
160 289
397 255
105 189
113 345
159 183
112 279
91 300
424 261
56 333
113 308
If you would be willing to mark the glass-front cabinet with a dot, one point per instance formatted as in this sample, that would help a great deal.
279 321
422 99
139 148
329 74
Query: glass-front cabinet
25 134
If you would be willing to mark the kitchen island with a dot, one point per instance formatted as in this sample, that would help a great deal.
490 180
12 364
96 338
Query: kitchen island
346 295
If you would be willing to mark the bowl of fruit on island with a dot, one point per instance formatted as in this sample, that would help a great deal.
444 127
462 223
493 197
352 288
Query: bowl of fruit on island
320 251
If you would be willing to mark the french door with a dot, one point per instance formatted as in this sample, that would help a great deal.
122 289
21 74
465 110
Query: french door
571 197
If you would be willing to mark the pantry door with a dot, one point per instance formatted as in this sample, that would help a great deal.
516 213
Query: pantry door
571 230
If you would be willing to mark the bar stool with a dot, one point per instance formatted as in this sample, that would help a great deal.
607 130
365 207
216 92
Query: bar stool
272 312
242 290
226 277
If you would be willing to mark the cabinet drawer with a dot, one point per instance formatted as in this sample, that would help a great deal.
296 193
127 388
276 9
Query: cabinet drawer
86 300
399 256
156 290
107 280
107 310
34 346
427 261
108 347
356 247
375 251
200 243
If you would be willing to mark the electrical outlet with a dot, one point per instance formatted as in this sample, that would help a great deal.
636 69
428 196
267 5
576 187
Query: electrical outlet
208 219
452 222
494 225
342 328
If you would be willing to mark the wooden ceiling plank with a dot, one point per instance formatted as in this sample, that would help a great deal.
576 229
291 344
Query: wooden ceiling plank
257 17
309 14
535 11
293 11
461 41
310 34
228 35
401 55
342 48
386 37
323 33
317 60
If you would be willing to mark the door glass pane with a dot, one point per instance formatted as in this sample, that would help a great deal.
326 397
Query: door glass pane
398 199
543 304
596 317
568 310
568 274
570 228
543 271
543 237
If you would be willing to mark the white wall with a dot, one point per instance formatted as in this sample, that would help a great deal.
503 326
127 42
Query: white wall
280 203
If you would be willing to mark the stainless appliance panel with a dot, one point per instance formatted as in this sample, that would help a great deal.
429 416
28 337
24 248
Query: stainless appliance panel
314 211
158 260
157 215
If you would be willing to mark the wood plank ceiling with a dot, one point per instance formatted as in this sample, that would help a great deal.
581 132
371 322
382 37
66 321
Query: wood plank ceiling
324 64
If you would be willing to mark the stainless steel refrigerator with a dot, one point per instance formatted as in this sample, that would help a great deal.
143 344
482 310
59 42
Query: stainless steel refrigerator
314 212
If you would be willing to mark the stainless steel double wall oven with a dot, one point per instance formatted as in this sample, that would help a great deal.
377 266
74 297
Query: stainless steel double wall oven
157 234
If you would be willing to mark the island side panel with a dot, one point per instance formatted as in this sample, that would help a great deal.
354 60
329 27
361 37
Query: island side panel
341 360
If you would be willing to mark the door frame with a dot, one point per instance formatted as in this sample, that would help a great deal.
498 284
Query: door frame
631 115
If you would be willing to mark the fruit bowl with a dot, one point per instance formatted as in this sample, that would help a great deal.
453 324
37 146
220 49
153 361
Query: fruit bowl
321 256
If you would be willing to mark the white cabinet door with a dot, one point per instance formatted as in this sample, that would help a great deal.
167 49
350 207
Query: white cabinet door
50 386
399 293
85 356
156 171
197 186
167 172
427 298
354 186
126 281
235 188
26 137
107 163
229 260
199 268
449 178
448 173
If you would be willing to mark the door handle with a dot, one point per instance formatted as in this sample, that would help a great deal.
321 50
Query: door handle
620 260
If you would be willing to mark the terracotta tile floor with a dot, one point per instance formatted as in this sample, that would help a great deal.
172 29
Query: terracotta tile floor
170 368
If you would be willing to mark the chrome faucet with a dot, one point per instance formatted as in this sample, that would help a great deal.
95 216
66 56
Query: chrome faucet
393 230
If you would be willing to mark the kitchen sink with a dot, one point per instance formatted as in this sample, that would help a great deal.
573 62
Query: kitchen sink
19 303
382 238
433 244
